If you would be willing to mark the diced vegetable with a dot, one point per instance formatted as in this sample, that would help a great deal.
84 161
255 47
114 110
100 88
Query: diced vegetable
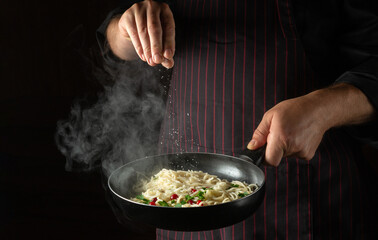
163 203
188 197
200 195
242 194
141 197
174 196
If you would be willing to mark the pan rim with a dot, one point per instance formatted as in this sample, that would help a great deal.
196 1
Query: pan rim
260 187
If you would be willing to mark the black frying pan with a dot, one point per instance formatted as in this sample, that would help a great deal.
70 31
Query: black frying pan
122 184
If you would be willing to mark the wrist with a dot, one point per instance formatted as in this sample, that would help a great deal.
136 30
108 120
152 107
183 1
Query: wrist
340 105
119 43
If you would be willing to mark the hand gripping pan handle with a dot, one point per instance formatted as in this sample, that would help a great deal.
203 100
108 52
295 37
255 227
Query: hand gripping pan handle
257 156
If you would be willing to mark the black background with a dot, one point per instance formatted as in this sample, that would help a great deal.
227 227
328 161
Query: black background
48 56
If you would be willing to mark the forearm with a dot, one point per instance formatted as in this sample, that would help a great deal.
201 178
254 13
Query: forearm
120 45
343 104
295 127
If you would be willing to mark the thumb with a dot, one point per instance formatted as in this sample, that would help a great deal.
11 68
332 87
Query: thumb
260 135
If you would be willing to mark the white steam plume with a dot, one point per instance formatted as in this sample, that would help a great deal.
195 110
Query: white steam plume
122 126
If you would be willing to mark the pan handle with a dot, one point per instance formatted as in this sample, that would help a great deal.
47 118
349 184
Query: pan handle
256 156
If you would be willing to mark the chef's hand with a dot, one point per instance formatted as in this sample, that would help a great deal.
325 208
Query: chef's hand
295 127
145 30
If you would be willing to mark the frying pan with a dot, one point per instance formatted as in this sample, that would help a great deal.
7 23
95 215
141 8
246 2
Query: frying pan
123 181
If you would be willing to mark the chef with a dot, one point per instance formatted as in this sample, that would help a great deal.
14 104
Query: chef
299 76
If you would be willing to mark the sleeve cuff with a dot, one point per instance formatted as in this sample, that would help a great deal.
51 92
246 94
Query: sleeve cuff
109 57
365 78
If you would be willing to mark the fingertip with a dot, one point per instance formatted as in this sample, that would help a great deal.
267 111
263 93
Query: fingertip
142 57
151 62
158 58
168 53
252 144
271 162
168 63
275 164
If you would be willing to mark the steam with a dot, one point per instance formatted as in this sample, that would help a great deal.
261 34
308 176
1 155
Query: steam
123 125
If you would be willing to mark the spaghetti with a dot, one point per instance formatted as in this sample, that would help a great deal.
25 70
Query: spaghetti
170 188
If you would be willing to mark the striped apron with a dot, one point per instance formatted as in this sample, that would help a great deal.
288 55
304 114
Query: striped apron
235 60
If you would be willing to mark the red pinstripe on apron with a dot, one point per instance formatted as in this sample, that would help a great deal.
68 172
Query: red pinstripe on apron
235 60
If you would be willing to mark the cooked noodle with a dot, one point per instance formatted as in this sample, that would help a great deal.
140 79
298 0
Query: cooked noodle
191 189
